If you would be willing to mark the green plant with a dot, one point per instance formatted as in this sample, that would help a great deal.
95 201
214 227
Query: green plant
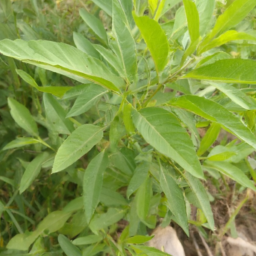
126 134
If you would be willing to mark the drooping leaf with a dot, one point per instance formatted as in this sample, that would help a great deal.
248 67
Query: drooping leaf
232 16
20 142
216 113
237 96
104 220
143 197
56 115
139 176
193 26
63 59
205 9
106 6
156 40
95 25
83 44
67 246
175 198
76 145
90 95
202 197
22 117
84 240
228 71
232 172
159 127
209 138
228 36
92 183
111 58
32 171
127 49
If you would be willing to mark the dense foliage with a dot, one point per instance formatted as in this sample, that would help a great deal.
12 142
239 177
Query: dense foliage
101 139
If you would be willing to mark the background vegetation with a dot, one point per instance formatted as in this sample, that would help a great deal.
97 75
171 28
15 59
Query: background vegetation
150 119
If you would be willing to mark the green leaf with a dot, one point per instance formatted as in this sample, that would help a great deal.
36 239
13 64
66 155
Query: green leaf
229 71
92 183
156 40
95 25
232 172
100 221
84 45
32 171
110 197
20 142
235 13
106 6
143 197
216 113
205 9
193 26
84 240
90 95
138 239
237 96
68 247
150 251
27 78
139 176
179 23
158 127
202 197
76 145
175 198
111 58
228 36
63 59
127 118
22 117
56 115
209 138
168 5
75 92
127 48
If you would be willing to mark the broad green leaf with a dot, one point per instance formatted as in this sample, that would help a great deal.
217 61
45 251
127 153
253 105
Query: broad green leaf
84 240
76 145
226 155
159 127
84 45
22 117
139 176
193 26
106 6
58 91
90 95
63 59
168 5
21 242
156 40
237 96
205 9
216 113
92 183
110 197
100 221
202 197
75 92
67 246
111 58
232 172
179 23
127 48
175 198
138 239
127 118
116 132
235 13
150 251
32 171
56 115
20 142
209 138
228 71
95 25
228 36
143 197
